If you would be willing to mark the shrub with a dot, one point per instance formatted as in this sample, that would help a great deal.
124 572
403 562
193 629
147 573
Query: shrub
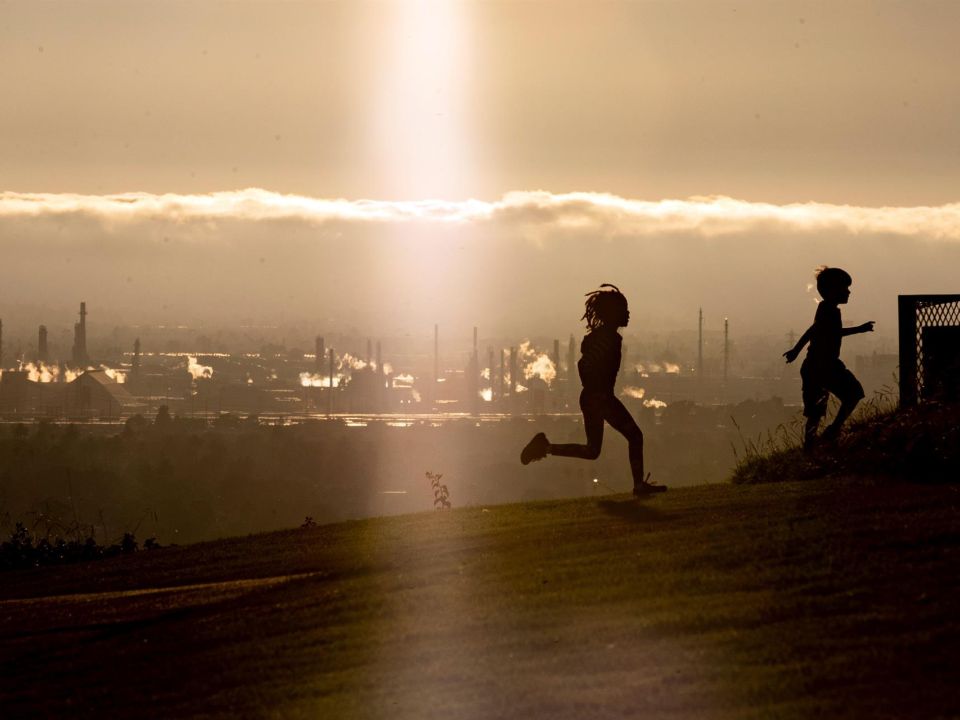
441 495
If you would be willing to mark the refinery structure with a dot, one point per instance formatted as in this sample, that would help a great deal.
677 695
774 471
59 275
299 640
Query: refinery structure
504 378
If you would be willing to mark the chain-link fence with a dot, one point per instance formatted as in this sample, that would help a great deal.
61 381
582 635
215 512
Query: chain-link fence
929 347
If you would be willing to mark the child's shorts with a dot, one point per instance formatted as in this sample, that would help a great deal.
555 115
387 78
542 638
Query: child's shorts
819 381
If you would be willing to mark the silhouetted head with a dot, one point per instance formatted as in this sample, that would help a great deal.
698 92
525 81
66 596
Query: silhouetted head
833 284
606 306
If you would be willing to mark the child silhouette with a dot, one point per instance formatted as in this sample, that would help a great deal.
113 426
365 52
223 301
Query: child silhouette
822 371
606 310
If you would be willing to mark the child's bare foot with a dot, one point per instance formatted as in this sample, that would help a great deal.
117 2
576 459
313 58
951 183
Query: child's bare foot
536 449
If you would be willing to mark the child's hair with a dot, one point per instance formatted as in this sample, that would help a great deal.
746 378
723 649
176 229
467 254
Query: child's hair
831 277
602 305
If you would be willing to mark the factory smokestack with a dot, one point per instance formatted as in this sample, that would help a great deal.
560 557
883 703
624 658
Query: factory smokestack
369 351
726 347
473 385
513 371
80 357
42 355
381 383
330 404
1 344
318 355
556 355
503 372
700 345
571 364
135 365
490 368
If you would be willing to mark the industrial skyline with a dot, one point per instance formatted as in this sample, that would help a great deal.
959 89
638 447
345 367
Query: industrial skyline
519 376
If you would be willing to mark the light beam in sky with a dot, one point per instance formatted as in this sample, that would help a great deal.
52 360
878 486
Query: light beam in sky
421 134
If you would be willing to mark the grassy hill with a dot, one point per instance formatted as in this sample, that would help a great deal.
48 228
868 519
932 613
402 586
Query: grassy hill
918 444
836 599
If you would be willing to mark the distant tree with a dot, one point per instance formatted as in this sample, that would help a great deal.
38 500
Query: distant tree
135 425
163 417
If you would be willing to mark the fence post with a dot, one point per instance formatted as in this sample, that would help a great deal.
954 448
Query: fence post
907 321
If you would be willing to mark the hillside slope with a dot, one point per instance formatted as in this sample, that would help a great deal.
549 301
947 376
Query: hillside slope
786 600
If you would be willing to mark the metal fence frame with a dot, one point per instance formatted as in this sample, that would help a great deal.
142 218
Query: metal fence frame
915 312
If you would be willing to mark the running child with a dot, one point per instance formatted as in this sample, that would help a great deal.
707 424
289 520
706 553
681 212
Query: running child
822 371
606 310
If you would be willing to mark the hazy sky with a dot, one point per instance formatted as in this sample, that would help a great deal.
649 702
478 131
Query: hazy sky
846 102
833 125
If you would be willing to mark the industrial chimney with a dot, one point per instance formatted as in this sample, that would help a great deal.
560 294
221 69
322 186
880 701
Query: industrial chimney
135 365
726 347
503 372
80 357
42 355
490 369
318 355
700 345
330 396
473 382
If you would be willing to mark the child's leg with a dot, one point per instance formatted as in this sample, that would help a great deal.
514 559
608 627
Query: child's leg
849 391
592 407
814 401
833 429
621 420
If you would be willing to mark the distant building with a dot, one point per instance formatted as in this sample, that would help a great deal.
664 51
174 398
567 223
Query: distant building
96 394
19 395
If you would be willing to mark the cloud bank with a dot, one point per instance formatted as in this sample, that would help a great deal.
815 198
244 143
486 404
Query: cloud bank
519 265
605 213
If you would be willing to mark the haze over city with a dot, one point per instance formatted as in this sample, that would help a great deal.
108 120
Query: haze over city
386 166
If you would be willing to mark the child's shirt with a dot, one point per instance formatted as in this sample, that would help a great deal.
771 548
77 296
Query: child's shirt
600 359
827 334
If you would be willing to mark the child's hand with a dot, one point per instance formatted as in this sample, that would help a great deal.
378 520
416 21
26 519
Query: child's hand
791 354
867 327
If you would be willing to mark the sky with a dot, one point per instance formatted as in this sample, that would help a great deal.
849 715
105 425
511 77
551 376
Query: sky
385 166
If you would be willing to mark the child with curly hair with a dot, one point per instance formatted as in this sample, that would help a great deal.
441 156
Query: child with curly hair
606 311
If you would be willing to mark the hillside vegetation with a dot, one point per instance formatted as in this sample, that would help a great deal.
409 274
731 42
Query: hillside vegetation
920 444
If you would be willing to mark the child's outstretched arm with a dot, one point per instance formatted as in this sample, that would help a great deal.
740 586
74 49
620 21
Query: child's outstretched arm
793 352
857 329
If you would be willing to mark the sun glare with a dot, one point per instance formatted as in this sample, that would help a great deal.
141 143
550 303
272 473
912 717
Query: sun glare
421 134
